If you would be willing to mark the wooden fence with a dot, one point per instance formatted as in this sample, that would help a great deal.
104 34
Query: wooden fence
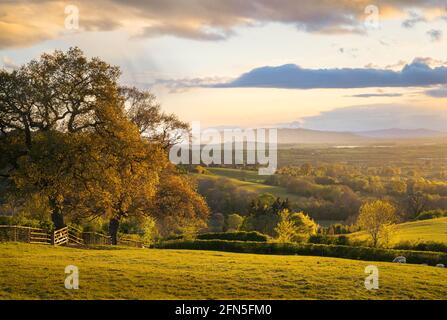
65 236
130 242
24 234
94 238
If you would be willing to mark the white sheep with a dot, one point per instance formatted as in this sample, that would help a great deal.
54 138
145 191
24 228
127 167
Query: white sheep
400 259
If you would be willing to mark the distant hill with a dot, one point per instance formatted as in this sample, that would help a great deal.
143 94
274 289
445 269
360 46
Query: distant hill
292 136
396 133
307 136
337 138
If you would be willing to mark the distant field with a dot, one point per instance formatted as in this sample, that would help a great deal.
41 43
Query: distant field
37 272
425 230
249 181
244 175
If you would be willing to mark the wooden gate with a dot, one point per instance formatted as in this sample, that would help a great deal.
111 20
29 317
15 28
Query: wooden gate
60 236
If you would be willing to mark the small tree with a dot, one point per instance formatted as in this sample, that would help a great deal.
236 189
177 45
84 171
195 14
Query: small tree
295 227
305 225
377 219
216 222
234 222
285 228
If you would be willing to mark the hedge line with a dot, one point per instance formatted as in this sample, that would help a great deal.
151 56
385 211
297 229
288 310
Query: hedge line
335 251
422 246
234 236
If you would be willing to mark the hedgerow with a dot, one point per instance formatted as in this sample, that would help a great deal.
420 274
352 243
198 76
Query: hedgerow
335 251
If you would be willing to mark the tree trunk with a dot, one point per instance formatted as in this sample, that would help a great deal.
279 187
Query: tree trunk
58 219
113 230
56 214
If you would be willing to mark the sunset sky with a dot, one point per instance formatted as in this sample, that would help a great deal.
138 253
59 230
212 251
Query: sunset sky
323 64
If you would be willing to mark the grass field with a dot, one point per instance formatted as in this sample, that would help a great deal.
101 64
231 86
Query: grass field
243 175
424 230
249 181
37 272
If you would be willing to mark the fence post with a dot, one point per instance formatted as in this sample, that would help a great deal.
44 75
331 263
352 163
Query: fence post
15 234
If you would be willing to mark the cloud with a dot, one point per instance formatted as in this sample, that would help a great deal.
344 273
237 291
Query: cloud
414 18
9 64
374 95
25 22
190 32
182 85
376 117
290 76
435 35
431 62
437 93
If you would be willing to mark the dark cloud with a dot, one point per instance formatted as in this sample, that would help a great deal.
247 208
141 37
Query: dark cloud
194 19
373 95
291 76
376 117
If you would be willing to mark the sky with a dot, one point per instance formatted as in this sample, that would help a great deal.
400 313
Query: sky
325 64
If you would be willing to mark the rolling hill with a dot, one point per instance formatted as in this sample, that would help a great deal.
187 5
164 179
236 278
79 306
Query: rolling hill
424 230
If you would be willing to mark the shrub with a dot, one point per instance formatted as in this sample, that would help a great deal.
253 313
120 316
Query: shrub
432 214
234 236
422 246
339 228
174 237
234 222
22 220
325 239
336 251
5 220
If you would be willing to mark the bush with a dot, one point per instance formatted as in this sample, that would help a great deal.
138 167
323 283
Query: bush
234 236
339 228
5 220
174 237
422 246
325 239
347 252
22 220
432 214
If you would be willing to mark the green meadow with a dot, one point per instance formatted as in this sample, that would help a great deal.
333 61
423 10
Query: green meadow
37 272
415 231
249 181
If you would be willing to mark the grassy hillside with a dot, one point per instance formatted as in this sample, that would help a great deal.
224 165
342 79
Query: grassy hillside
425 230
37 272
243 175
249 181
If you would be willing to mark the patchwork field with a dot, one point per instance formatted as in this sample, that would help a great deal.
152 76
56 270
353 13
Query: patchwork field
37 272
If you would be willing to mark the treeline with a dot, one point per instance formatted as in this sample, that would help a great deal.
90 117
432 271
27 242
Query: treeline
346 186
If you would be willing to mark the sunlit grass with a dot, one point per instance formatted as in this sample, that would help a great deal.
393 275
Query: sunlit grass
424 230
249 181
37 272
